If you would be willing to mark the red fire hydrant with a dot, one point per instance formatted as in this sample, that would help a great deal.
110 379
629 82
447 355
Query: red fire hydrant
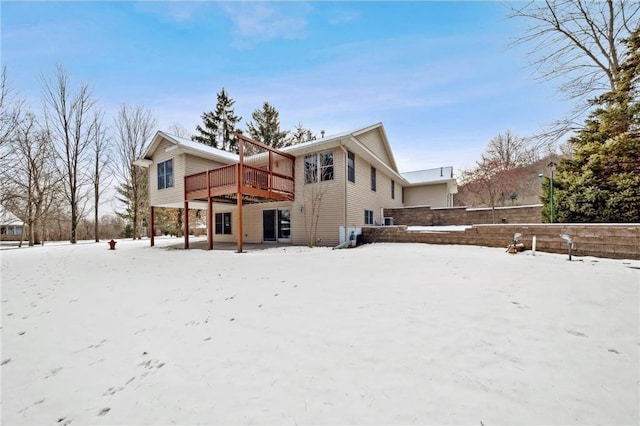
112 245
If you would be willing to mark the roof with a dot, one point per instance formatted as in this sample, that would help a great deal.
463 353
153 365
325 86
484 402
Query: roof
348 139
437 175
8 218
187 145
351 138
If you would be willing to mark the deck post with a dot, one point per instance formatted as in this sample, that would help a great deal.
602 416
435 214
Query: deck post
240 231
210 224
153 225
186 225
239 196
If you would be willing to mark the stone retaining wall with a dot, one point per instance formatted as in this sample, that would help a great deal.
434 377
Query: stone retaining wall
427 216
617 241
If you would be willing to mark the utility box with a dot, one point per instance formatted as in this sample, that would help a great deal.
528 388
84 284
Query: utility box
356 231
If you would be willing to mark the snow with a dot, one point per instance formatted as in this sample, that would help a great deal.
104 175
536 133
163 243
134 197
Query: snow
379 334
439 228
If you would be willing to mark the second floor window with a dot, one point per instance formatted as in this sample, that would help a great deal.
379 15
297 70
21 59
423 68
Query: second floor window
351 166
165 174
373 178
393 190
318 167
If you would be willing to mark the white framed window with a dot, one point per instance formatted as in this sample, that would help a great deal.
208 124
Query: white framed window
165 174
318 167
368 217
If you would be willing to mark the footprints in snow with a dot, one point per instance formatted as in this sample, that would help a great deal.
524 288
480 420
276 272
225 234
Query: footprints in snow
146 367
580 334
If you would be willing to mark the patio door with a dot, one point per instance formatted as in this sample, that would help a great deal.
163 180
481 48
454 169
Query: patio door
276 225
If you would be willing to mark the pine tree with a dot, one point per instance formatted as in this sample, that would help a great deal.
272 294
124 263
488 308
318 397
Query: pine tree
220 125
267 127
300 135
601 183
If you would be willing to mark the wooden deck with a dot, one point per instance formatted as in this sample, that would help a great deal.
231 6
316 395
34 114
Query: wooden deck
256 185
262 174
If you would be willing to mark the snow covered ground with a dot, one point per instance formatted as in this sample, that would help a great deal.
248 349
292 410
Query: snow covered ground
380 334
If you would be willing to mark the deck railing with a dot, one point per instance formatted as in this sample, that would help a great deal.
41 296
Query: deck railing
223 176
252 177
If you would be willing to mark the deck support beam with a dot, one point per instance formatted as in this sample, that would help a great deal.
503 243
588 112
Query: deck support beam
240 181
210 224
186 225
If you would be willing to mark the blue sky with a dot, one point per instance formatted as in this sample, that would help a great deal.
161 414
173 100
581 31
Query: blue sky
440 76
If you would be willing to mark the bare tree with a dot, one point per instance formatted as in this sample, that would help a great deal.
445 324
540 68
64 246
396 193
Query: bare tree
180 131
101 160
489 184
316 185
578 42
134 128
507 150
10 116
69 122
33 180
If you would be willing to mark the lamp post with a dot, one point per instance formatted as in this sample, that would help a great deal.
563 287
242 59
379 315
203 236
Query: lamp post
552 167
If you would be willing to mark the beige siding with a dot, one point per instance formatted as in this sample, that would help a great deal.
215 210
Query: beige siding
331 208
253 225
158 197
361 197
183 164
428 195
372 140
196 164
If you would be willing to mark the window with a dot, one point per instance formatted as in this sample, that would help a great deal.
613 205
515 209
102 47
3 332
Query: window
223 223
311 168
403 195
393 190
318 167
351 166
368 217
165 174
326 166
373 178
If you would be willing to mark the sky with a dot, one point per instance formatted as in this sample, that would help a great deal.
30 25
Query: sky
442 77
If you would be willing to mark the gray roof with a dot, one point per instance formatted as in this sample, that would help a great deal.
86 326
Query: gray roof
439 174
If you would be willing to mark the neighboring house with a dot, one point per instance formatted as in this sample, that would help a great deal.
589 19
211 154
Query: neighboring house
431 187
10 225
311 193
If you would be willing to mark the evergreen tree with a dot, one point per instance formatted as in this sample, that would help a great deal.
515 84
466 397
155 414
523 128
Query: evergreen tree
267 127
300 135
220 125
601 183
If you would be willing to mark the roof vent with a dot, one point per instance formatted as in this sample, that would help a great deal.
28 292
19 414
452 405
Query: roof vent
322 134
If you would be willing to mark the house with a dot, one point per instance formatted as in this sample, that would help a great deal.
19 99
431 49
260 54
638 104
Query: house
10 225
431 187
316 192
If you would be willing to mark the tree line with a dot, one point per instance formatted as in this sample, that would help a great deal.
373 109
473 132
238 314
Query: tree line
60 165
57 164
